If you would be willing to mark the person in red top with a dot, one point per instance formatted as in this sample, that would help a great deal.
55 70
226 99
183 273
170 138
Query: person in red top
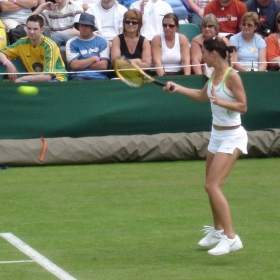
228 13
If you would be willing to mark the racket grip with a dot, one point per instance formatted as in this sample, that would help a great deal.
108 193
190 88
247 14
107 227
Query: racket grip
163 84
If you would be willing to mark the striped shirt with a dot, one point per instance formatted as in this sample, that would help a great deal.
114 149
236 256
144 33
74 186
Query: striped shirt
62 20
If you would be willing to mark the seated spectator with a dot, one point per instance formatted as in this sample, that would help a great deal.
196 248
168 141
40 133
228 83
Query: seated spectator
251 47
181 9
170 50
38 54
267 11
273 47
210 29
153 13
109 18
88 53
60 18
130 43
197 6
228 13
16 12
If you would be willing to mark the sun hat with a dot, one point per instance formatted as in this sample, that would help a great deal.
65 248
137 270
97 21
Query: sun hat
86 19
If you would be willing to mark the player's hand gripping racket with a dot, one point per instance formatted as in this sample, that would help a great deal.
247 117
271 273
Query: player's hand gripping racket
131 74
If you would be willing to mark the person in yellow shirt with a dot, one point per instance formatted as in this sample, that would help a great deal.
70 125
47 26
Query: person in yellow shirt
39 54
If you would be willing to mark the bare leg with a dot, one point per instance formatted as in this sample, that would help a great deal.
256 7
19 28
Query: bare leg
218 167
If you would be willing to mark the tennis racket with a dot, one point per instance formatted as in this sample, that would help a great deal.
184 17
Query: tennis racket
131 74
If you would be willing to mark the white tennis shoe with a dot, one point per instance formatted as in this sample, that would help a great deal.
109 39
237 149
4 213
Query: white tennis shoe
212 237
226 246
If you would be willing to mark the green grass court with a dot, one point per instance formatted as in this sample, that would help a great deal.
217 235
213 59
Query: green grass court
135 221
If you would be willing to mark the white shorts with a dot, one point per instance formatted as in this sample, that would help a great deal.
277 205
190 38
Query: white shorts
226 141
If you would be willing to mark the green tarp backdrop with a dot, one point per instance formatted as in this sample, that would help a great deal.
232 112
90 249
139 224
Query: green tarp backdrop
99 108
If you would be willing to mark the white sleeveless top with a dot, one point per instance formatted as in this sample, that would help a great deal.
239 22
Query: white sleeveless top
222 116
171 57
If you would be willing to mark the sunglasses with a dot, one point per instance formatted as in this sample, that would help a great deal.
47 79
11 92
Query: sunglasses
131 22
207 26
169 25
247 24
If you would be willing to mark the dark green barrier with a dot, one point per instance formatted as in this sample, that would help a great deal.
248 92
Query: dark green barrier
98 108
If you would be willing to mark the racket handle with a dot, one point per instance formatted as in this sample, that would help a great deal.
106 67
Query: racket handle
159 83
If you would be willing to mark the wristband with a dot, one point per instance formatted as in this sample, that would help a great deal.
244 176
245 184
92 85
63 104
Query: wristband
15 1
197 9
97 59
142 12
5 62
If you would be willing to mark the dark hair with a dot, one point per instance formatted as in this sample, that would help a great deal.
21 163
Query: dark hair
133 14
37 18
172 16
217 44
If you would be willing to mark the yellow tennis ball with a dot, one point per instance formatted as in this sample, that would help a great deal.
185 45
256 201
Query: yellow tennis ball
28 90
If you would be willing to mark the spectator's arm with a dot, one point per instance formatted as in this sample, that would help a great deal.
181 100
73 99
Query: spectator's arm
196 57
237 66
26 4
157 54
34 78
9 7
100 65
145 61
80 64
195 8
115 49
185 54
10 67
44 6
262 60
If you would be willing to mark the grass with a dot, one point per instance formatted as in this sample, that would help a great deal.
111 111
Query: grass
138 221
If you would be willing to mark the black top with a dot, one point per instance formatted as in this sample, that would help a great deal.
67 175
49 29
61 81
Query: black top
138 50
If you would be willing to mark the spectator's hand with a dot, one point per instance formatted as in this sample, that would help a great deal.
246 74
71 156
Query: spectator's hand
201 12
13 70
48 6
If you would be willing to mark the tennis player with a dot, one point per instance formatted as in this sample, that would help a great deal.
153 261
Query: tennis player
228 140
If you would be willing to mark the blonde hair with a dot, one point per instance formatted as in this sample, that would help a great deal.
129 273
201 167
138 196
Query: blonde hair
211 18
251 16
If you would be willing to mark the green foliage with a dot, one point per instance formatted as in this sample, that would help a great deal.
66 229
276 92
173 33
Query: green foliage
138 221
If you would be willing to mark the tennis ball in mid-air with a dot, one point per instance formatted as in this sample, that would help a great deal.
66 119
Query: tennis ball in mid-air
28 90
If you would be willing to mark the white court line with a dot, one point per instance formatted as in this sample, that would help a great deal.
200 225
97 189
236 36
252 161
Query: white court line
37 257
27 261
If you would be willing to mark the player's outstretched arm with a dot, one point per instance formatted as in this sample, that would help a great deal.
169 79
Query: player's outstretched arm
195 94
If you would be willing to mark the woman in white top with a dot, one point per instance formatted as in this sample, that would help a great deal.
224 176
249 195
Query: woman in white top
251 48
227 142
170 50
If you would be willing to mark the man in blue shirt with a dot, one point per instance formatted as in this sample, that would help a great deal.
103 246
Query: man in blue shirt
87 53
267 11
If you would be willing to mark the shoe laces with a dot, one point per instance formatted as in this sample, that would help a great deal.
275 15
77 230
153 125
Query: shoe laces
207 229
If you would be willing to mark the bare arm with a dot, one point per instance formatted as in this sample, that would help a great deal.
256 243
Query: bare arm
195 8
11 6
115 49
10 67
44 6
195 94
262 60
34 78
196 57
80 64
185 54
145 60
234 84
237 66
156 54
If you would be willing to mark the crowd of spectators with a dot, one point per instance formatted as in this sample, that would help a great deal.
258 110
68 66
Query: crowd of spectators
83 37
